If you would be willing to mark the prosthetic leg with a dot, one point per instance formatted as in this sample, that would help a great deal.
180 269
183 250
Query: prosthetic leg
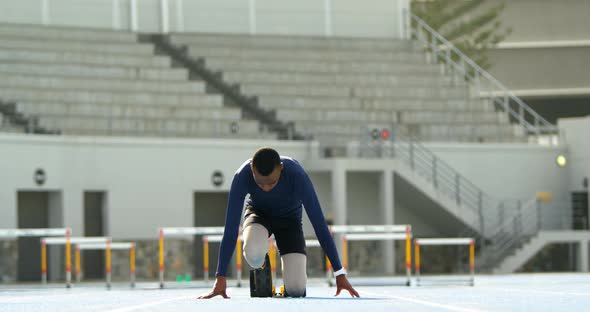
261 280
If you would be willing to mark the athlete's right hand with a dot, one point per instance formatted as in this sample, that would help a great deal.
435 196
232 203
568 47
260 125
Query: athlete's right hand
218 289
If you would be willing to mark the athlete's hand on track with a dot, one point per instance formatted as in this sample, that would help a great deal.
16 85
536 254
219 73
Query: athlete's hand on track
342 283
218 289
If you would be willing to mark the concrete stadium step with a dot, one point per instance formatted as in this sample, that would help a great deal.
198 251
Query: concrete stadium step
350 79
299 42
124 48
347 92
479 132
352 129
66 33
290 54
321 67
161 127
127 110
301 102
327 116
136 98
20 56
89 71
114 85
443 117
458 117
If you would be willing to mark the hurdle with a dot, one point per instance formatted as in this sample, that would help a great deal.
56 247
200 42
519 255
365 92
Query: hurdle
108 247
377 233
217 239
42 232
67 241
442 242
181 232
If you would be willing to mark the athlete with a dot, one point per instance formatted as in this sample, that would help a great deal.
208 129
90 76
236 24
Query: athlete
279 189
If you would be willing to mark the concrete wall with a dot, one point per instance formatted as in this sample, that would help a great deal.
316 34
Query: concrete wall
148 182
541 20
547 54
576 131
372 18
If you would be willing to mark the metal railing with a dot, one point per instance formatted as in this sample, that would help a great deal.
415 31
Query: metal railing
502 98
437 172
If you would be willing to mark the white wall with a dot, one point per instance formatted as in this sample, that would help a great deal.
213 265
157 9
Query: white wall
576 132
507 171
149 182
369 18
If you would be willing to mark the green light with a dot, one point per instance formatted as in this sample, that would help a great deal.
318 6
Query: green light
561 160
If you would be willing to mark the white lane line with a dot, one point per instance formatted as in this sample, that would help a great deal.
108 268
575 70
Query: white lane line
548 292
44 297
149 304
428 303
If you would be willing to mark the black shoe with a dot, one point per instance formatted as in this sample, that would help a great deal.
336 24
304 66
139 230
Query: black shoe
261 280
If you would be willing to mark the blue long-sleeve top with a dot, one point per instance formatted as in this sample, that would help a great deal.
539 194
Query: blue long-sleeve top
293 191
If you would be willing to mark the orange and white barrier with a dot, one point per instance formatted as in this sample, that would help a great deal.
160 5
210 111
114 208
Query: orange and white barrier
16 233
180 232
108 247
376 233
217 239
68 240
442 242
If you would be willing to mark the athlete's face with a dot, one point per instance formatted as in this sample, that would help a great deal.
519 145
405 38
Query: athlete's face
267 183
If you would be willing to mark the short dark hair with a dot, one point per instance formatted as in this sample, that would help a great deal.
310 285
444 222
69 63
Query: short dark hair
265 160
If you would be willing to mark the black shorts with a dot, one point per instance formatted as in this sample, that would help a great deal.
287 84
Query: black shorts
288 231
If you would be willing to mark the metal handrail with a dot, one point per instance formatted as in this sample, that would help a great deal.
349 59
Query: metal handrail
440 174
539 124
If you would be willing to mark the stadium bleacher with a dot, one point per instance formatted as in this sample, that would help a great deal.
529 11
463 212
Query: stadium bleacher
97 82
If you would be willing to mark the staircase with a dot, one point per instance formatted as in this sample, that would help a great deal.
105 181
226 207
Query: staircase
543 238
78 81
330 88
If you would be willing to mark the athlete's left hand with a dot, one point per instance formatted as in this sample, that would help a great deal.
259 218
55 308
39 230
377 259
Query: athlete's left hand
342 283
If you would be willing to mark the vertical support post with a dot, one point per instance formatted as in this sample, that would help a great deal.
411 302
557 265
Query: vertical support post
344 251
583 256
206 257
132 265
435 172
133 15
252 16
478 84
68 259
412 161
521 115
239 260
480 211
417 262
458 189
472 261
161 258
386 190
77 264
539 218
45 19
179 15
164 16
408 254
108 263
328 18
116 14
433 46
43 262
